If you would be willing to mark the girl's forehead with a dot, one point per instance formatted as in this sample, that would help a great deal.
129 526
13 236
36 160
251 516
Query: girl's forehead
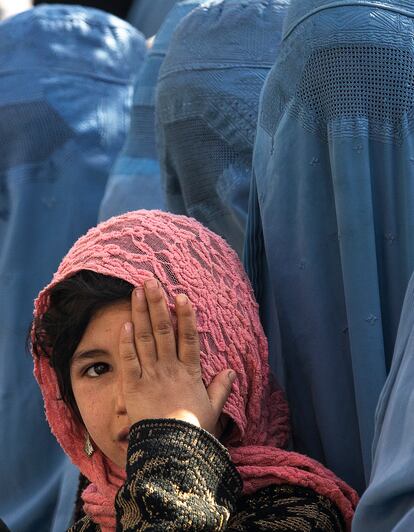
107 321
110 312
114 308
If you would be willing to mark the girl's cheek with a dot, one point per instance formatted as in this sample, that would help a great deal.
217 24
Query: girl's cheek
93 415
91 402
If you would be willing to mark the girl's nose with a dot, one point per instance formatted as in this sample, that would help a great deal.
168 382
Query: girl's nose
120 406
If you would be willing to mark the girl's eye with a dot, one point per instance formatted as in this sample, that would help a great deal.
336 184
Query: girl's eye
97 369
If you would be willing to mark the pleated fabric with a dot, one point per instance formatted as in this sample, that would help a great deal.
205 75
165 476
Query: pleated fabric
388 503
135 181
65 90
206 109
331 217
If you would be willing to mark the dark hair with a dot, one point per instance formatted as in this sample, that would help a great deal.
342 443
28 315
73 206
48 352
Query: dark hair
72 304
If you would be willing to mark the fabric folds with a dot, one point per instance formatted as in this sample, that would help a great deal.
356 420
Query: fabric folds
331 214
135 181
206 109
300 11
65 78
148 15
388 503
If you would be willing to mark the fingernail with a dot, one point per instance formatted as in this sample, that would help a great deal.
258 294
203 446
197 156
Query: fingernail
128 327
139 292
182 299
151 284
231 375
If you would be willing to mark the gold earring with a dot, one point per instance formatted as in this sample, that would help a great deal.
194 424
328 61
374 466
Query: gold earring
88 447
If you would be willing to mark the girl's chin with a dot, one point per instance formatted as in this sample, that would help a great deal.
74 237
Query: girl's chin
119 455
122 457
124 445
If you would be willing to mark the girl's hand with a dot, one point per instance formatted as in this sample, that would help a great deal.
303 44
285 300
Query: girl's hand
161 379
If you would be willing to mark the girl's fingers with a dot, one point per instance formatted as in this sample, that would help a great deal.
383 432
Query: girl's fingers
220 389
188 341
161 321
130 366
144 338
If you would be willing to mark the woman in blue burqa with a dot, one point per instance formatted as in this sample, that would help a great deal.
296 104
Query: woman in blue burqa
331 216
388 503
206 109
65 76
135 181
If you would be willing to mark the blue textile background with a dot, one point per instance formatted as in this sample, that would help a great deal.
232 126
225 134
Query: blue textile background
331 217
135 181
206 109
65 89
148 15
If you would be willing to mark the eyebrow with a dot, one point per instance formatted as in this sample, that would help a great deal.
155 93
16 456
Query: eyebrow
88 354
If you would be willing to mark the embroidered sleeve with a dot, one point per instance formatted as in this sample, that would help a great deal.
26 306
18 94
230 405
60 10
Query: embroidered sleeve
179 477
84 525
286 508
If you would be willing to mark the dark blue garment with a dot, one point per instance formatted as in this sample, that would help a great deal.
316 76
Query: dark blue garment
135 181
119 8
332 214
388 503
65 80
206 109
148 15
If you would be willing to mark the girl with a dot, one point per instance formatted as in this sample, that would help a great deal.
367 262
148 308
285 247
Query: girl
153 368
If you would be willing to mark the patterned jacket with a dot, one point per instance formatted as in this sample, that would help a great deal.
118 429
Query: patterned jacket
179 477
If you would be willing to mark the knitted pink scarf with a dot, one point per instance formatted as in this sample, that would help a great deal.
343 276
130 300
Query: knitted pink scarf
188 258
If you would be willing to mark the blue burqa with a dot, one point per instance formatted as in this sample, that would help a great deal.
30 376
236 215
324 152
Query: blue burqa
148 15
388 503
332 216
206 109
65 84
134 182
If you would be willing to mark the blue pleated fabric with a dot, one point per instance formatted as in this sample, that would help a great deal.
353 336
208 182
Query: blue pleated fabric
331 216
388 503
206 109
135 181
65 94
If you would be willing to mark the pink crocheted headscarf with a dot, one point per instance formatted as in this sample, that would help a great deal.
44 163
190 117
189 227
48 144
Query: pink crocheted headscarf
188 258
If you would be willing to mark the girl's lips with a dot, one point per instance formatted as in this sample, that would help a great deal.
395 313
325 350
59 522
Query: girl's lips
123 434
